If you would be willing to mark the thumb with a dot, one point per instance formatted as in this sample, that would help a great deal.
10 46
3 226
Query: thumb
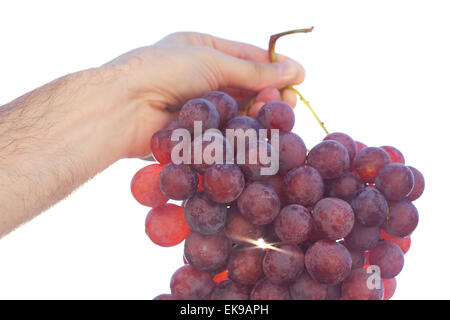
251 75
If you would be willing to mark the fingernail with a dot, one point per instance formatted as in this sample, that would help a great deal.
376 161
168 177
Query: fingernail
289 69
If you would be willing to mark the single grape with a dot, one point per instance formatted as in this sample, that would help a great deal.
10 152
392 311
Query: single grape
253 158
330 158
208 149
239 229
161 144
359 146
145 186
334 217
328 262
165 296
293 224
388 257
419 185
230 290
395 154
178 182
292 151
358 257
355 287
266 290
188 283
344 187
226 106
346 141
306 288
395 181
389 288
276 182
362 238
223 183
368 162
199 110
207 252
204 215
245 264
403 219
370 207
303 186
276 115
165 225
334 292
283 264
249 128
403 243
259 203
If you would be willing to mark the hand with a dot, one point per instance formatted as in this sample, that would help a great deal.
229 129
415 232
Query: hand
161 77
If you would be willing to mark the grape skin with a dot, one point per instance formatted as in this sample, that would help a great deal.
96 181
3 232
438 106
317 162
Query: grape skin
276 115
223 183
346 141
403 243
403 219
230 290
389 257
292 151
363 238
368 162
355 287
389 288
207 252
330 158
303 186
293 224
203 215
328 262
419 185
199 110
370 207
201 143
245 123
226 106
395 154
161 145
145 187
334 292
188 283
178 182
250 167
358 257
240 230
276 182
245 264
284 265
306 288
259 203
344 187
334 217
266 290
395 181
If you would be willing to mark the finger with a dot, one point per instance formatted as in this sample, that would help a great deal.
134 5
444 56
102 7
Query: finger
238 93
254 109
254 76
268 94
289 96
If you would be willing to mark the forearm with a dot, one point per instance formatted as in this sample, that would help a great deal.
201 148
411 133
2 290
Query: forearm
60 135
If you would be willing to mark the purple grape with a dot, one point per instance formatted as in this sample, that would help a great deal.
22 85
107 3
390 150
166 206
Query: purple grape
395 181
403 219
370 207
203 151
239 229
292 151
250 128
230 290
346 141
259 203
252 159
206 252
306 288
276 115
303 186
284 264
226 106
199 110
203 215
162 145
334 217
178 182
223 183
293 224
276 182
330 158
362 238
358 257
334 292
344 187
245 264
368 162
355 287
419 185
266 290
388 256
188 283
328 262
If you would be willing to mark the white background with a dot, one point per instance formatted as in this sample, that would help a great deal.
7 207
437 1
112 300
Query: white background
376 70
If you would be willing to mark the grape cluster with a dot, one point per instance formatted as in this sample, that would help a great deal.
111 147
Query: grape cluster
311 231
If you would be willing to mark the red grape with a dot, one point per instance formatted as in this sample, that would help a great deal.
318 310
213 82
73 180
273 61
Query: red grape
178 182
230 290
334 292
306 288
239 229
303 186
388 257
359 146
370 207
266 290
221 276
292 151
368 162
344 187
358 257
293 224
355 287
259 203
334 217
395 154
395 181
162 145
276 115
204 148
283 264
245 264
165 225
419 185
346 141
226 106
403 243
389 288
145 186
223 183
249 128
403 219
252 159
199 110
276 182
188 283
328 262
204 215
362 238
330 158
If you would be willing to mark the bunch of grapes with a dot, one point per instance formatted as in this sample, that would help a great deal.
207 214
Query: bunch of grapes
314 230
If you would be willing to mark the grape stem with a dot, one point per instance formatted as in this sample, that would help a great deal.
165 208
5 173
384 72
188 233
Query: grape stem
273 58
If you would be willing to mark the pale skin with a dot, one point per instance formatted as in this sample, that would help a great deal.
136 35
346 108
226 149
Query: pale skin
60 135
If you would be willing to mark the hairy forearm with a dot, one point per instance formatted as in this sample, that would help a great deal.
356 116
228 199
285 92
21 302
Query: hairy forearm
57 137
